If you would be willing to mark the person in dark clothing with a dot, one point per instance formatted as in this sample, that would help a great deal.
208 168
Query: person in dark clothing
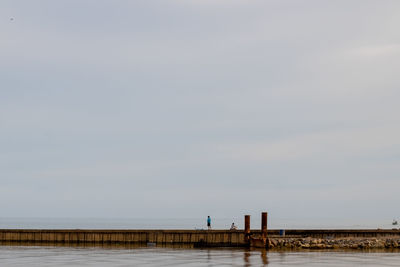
209 222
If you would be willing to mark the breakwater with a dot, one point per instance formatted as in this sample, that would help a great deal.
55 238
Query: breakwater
338 243
304 239
194 237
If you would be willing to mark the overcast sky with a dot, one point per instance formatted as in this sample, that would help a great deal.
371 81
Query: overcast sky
189 108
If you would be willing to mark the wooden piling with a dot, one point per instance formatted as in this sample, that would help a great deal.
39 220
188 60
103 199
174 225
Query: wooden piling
264 221
247 228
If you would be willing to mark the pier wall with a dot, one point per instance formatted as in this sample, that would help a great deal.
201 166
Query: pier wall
194 237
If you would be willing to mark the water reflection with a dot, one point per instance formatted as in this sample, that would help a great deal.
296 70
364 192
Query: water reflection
264 257
17 254
248 255
246 258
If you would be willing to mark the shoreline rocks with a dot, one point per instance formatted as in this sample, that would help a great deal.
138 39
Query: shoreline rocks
340 243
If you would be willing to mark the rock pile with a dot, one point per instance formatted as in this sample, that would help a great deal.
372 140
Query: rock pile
348 243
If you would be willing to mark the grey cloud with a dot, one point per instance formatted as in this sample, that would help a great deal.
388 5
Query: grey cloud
209 105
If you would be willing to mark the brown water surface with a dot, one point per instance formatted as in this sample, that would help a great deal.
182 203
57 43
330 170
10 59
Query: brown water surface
55 255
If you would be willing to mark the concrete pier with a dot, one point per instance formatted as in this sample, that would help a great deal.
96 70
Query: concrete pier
208 238
195 237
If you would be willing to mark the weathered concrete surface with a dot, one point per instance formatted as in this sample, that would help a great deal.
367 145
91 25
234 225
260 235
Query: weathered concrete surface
193 237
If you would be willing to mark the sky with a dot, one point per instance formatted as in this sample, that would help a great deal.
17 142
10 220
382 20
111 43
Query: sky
189 108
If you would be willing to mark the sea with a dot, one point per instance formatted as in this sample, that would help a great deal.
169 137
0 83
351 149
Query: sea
12 254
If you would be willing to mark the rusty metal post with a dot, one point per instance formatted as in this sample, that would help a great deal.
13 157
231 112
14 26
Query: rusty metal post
246 227
264 220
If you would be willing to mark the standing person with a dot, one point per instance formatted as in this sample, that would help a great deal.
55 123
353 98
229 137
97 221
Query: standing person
209 222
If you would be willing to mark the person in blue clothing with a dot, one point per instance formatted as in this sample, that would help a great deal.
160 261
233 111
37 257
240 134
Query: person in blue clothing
209 222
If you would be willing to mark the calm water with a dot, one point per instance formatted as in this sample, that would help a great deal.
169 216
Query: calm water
155 256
